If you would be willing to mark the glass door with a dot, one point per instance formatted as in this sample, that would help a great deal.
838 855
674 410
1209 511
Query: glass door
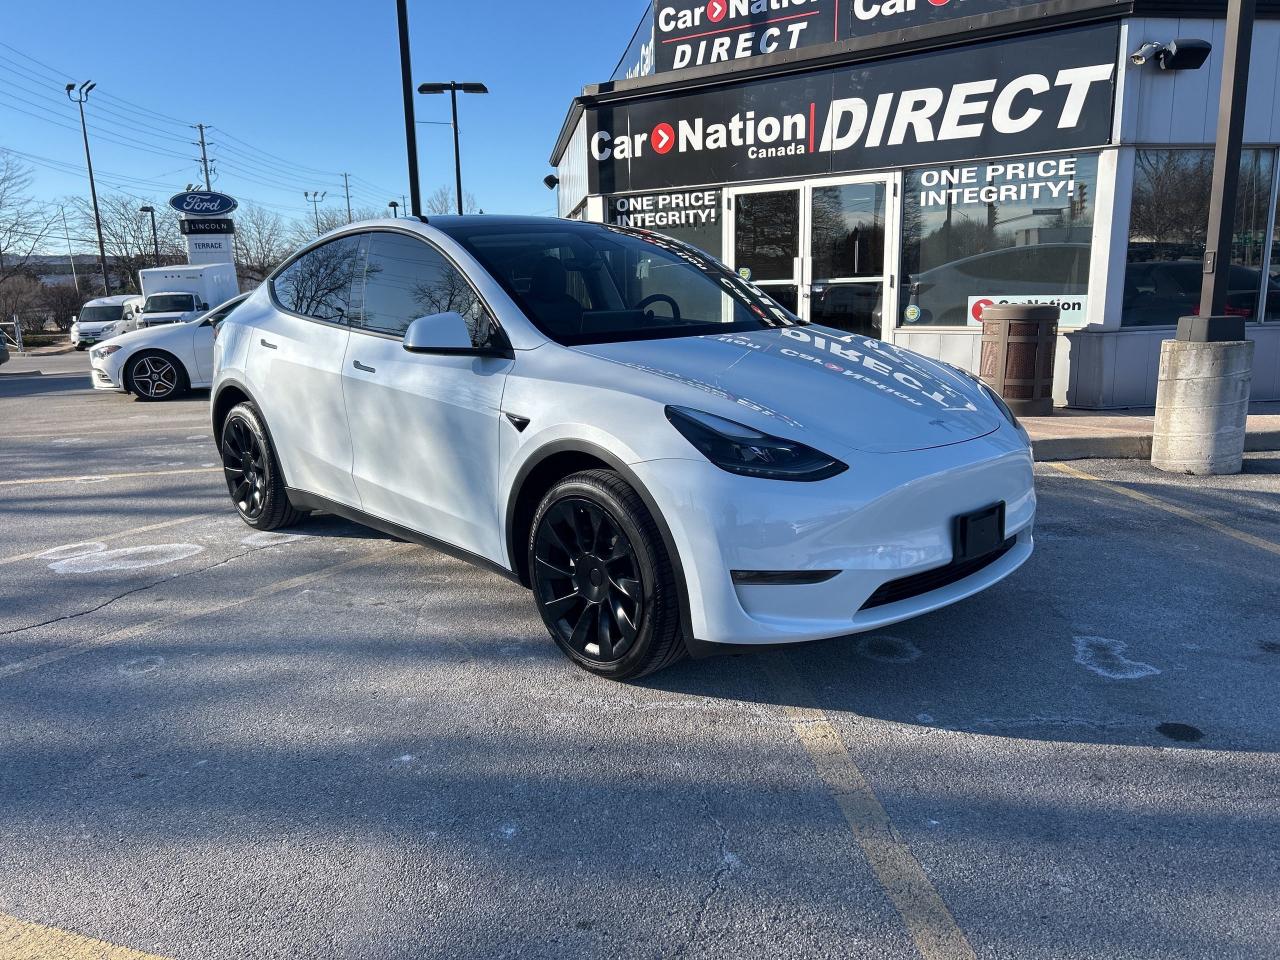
763 239
847 280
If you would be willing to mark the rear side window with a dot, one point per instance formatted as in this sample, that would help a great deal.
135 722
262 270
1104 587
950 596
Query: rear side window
406 278
322 283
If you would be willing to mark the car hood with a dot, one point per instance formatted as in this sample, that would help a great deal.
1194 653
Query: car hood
837 387
148 336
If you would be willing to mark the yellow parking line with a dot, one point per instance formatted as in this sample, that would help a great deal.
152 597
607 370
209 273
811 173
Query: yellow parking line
109 476
1262 544
162 623
928 919
163 525
22 940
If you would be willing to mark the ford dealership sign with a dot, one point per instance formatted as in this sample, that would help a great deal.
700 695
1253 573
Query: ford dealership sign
203 204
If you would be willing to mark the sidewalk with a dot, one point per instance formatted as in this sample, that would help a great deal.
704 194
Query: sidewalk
1126 434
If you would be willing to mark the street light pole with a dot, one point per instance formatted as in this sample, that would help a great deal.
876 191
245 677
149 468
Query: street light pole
453 87
1226 157
395 209
82 94
406 83
155 240
314 198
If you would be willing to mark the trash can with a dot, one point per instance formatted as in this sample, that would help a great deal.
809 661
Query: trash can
1018 346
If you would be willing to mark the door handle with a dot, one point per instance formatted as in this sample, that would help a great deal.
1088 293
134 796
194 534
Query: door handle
363 367
268 344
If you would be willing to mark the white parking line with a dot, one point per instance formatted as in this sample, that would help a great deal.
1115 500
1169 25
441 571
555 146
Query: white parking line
99 477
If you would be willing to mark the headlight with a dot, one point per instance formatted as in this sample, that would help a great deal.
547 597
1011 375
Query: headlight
748 452
105 351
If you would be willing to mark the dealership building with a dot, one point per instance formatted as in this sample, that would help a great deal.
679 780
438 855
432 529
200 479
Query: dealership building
892 167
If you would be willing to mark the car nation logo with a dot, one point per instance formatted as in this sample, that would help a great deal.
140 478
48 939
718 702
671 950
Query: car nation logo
716 31
922 115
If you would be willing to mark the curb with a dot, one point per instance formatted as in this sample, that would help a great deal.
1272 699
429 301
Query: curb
1135 446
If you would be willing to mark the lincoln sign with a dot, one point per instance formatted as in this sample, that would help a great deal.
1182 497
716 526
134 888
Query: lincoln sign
986 100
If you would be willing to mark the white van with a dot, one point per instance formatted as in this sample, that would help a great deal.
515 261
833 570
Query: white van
97 320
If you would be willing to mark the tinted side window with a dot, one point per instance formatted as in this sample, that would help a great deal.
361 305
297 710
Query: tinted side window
320 283
407 278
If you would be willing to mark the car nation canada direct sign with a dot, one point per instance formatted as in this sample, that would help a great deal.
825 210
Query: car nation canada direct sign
203 203
1049 92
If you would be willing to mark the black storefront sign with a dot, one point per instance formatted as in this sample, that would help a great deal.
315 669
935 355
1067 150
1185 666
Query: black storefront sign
198 227
663 211
1053 91
692 33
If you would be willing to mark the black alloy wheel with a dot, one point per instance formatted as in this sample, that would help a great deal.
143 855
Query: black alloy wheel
244 462
602 577
252 472
588 580
153 376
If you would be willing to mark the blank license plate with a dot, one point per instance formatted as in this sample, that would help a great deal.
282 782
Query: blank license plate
979 533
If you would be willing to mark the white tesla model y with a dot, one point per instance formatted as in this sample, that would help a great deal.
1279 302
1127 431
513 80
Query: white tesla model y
664 455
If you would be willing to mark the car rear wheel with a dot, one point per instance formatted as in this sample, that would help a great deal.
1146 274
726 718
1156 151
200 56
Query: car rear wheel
252 471
602 578
156 376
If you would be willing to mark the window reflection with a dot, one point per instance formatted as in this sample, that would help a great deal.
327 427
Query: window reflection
319 283
1016 230
1168 229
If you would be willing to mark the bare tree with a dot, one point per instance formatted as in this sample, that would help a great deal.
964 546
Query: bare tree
126 235
440 202
24 225
62 303
261 241
20 296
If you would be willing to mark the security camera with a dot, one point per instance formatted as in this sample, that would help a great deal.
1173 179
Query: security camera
551 181
1175 55
1145 53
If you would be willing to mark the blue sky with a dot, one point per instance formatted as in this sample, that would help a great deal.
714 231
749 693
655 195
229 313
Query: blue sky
297 92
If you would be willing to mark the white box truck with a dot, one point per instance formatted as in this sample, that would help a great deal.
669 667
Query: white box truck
179 293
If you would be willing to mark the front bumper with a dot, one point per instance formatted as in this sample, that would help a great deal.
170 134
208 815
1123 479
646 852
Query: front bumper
105 375
889 517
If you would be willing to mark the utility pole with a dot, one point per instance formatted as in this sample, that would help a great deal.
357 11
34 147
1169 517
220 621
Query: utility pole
346 185
204 158
82 94
314 198
71 256
155 239
406 83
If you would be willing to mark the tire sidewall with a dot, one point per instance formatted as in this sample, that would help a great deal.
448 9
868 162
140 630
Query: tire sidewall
630 664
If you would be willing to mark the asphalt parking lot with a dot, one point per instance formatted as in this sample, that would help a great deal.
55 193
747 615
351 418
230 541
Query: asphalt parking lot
326 743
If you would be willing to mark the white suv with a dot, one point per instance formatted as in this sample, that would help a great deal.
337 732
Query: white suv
667 457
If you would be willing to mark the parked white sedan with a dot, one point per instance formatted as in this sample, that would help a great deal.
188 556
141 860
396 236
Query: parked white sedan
160 363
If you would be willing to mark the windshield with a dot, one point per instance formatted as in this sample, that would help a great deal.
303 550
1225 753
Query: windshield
587 283
106 314
169 303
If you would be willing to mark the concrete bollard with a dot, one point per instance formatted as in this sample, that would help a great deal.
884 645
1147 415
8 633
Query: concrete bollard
1202 402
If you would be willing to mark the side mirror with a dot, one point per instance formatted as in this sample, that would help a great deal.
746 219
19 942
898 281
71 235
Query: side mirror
445 334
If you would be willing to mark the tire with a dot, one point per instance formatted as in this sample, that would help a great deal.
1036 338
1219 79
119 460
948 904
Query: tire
602 579
80 347
153 377
249 465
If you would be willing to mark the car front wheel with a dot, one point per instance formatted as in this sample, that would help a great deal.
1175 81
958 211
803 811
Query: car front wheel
602 578
156 376
252 471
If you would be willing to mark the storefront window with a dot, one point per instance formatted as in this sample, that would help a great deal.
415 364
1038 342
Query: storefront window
1168 226
1007 231
692 216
